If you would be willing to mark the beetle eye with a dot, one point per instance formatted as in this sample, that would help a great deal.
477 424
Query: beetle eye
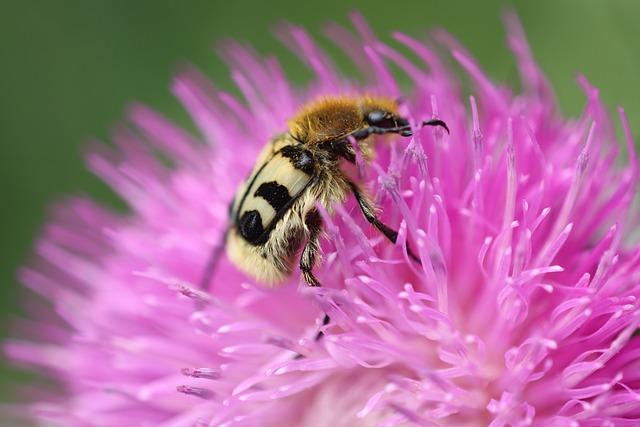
375 117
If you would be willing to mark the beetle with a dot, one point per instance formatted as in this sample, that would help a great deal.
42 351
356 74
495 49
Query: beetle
274 211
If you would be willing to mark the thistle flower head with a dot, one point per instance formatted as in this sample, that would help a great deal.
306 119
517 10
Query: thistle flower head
522 312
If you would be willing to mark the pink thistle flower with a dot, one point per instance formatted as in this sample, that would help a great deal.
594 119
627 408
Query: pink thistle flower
523 312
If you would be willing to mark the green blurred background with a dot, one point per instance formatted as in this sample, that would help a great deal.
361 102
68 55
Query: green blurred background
70 68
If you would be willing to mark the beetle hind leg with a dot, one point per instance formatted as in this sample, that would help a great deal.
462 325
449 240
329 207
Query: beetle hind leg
212 262
310 254
311 251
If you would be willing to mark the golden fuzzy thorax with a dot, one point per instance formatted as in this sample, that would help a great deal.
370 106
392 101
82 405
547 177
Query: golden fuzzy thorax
332 118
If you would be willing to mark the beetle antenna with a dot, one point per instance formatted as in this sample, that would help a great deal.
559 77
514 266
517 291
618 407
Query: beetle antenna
436 122
406 130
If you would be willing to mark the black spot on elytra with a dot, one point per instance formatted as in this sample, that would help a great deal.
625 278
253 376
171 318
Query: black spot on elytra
275 194
301 159
250 225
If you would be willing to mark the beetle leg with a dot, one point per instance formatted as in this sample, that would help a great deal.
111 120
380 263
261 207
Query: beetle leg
313 222
371 130
369 213
212 262
402 130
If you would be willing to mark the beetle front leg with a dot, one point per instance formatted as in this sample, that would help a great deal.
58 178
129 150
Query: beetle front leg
369 213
